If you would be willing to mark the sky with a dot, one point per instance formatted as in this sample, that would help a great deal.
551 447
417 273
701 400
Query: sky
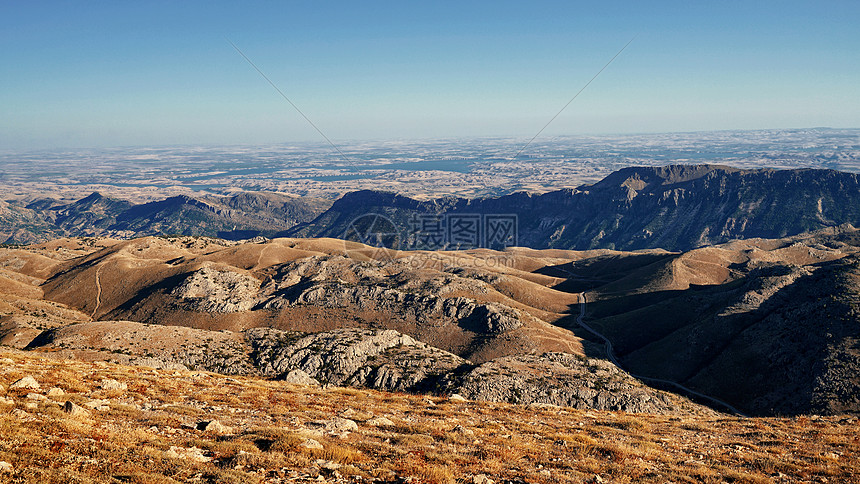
149 73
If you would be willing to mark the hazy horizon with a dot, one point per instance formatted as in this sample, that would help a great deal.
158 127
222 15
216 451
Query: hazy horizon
165 74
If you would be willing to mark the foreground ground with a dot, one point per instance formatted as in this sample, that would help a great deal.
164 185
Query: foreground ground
132 424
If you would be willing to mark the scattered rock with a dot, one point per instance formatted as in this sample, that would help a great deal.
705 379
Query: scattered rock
339 427
339 424
192 453
482 479
380 422
456 398
26 383
6 467
110 385
327 465
31 405
36 396
300 377
75 410
19 414
6 362
7 401
100 405
463 430
311 444
56 392
545 473
214 427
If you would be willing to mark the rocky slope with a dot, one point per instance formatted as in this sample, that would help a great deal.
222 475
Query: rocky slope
676 207
378 359
767 325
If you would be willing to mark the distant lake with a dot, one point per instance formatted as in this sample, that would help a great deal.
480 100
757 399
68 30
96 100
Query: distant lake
456 166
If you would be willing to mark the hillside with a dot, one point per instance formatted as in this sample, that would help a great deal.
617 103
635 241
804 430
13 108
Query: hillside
766 325
676 207
72 421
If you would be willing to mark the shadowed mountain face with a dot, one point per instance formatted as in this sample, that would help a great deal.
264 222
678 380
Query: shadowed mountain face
673 207
771 327
240 216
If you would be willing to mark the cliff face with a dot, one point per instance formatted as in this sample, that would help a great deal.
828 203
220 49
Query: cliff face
675 207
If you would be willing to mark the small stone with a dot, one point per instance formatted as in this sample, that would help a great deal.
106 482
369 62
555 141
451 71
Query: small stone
300 377
214 427
36 396
380 422
482 479
7 401
26 383
110 384
545 473
74 410
338 424
327 465
457 398
100 405
31 405
19 414
597 479
311 444
56 392
6 467
191 453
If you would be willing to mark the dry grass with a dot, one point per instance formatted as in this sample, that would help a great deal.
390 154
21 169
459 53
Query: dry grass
431 441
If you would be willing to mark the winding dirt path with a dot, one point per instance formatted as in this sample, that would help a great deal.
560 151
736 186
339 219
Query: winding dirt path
98 292
614 360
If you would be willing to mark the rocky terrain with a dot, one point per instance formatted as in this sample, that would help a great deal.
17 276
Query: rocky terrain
766 325
675 207
67 420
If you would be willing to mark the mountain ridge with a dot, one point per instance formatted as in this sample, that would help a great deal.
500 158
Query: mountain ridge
674 207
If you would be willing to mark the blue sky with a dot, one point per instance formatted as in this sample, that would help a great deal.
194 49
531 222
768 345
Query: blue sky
90 74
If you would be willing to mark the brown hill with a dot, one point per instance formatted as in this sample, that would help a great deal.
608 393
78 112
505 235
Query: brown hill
478 305
768 326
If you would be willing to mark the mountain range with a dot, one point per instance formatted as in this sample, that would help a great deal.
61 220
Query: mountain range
240 216
737 289
676 207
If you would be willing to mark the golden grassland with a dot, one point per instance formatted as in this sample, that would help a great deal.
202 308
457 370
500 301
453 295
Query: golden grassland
148 433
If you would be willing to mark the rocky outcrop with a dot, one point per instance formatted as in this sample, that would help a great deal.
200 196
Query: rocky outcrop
565 380
221 291
381 359
491 318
